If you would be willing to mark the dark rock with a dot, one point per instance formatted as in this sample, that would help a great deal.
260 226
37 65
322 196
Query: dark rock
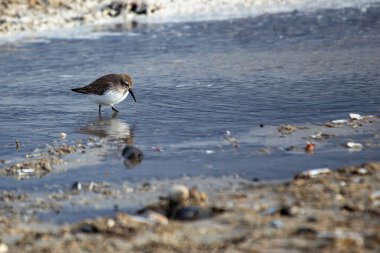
114 8
141 9
306 231
192 213
132 155
288 211
88 228
76 186
312 219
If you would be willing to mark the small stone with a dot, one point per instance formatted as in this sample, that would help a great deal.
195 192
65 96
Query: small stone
156 218
339 121
311 219
349 238
91 186
62 135
179 193
110 223
270 211
355 116
192 213
77 186
305 231
88 228
313 173
132 155
375 195
277 224
210 152
3 248
289 211
310 148
355 146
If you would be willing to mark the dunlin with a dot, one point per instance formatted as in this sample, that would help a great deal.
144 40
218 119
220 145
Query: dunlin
110 90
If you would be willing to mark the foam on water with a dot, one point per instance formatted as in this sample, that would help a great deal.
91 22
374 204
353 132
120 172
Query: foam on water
201 10
168 11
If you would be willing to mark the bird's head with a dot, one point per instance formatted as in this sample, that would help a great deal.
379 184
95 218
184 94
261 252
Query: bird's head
127 81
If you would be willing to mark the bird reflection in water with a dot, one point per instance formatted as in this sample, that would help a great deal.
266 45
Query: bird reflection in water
117 132
113 128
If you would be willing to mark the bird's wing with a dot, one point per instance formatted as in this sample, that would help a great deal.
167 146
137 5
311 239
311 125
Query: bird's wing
99 86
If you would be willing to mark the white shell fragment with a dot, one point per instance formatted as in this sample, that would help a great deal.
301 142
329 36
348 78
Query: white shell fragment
375 195
362 171
315 172
62 135
150 218
354 145
3 248
110 223
208 151
28 171
356 116
339 121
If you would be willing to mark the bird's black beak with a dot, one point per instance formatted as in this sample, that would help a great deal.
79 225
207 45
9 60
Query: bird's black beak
133 95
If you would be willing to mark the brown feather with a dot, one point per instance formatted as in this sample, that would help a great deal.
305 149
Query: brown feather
100 85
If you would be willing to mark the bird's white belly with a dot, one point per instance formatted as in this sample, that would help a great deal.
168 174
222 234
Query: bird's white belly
109 98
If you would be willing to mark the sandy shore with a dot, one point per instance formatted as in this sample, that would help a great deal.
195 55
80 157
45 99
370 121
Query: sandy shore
322 210
30 16
38 15
318 211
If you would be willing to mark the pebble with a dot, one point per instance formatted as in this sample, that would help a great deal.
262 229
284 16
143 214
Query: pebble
91 186
313 173
355 116
352 238
339 121
270 211
27 171
277 224
375 195
132 155
62 135
3 248
110 223
192 213
310 148
148 217
76 186
354 145
289 211
308 231
362 171
156 218
179 193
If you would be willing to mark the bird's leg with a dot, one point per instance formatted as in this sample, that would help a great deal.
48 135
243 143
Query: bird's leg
113 109
100 106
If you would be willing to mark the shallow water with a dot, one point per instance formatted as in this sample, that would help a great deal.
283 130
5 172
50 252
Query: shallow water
193 82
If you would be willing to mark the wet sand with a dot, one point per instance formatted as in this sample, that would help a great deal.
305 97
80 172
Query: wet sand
334 211
320 210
